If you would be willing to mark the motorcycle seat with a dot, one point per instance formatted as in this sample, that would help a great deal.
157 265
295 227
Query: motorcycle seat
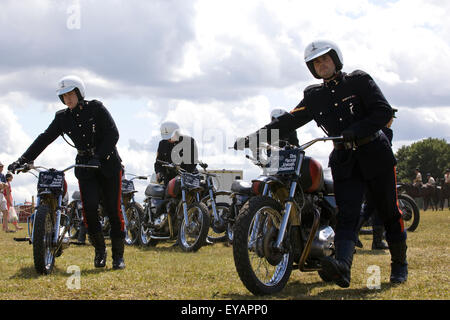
155 190
241 186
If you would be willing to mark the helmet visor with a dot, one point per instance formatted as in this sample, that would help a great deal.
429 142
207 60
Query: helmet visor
61 91
317 53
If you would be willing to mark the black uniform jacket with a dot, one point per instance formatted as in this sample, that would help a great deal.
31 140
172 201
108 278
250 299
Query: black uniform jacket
187 147
350 102
93 132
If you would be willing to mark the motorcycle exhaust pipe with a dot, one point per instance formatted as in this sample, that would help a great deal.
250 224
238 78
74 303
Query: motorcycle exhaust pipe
307 249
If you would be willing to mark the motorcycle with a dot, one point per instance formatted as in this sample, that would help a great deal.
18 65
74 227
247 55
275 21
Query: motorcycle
132 210
219 212
288 223
75 214
175 212
410 213
49 224
409 208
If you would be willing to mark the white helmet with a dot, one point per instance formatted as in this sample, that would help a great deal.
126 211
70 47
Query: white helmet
277 113
318 48
169 129
69 83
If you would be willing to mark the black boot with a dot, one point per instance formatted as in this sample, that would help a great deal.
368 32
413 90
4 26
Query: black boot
98 241
118 246
338 270
378 243
399 265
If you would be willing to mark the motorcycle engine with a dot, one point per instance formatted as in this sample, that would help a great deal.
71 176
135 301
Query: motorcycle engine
323 243
160 221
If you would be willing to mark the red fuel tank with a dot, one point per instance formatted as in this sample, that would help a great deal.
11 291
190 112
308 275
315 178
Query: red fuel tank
311 178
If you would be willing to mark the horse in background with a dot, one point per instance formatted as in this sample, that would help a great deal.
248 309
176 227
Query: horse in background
429 194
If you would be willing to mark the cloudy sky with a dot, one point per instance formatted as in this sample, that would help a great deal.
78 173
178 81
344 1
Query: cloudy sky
216 67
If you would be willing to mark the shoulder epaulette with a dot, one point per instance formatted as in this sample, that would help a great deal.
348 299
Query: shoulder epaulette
312 87
61 111
357 73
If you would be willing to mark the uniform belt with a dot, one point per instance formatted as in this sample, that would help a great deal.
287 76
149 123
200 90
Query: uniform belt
357 143
87 152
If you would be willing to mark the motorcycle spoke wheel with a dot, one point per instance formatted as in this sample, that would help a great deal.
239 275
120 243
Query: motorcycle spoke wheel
192 235
410 212
262 268
218 230
43 251
133 213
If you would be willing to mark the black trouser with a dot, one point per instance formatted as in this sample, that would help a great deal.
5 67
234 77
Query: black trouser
349 196
108 189
370 210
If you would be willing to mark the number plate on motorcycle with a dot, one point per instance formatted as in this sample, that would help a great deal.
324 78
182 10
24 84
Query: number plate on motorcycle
127 185
284 161
191 180
51 180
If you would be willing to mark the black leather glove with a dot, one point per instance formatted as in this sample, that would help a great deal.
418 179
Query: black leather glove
95 161
17 164
348 136
241 143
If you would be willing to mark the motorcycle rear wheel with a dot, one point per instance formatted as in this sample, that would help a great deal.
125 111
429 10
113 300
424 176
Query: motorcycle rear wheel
43 250
262 269
410 212
192 235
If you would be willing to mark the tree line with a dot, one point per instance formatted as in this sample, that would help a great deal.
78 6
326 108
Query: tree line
429 156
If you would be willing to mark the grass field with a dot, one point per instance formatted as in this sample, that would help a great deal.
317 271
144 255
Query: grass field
166 273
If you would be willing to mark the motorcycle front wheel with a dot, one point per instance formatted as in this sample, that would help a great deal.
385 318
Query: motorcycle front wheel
218 231
134 213
262 268
192 234
43 251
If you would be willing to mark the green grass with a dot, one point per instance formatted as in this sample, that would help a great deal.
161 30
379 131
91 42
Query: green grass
166 273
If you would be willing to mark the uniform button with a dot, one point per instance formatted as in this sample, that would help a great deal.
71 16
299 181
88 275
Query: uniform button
79 125
332 91
340 119
84 135
321 113
335 104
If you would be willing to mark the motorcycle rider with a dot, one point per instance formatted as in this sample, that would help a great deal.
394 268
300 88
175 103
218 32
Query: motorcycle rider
94 134
352 106
175 148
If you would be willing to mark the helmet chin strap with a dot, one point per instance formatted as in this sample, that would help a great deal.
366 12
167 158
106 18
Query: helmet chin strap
332 77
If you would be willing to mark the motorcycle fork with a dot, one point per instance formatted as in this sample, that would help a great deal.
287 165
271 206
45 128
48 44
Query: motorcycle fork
288 204
213 201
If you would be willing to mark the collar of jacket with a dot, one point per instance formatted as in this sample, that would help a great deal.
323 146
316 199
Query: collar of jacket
333 83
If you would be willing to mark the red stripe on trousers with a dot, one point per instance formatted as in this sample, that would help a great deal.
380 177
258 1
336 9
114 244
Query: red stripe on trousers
119 204
402 224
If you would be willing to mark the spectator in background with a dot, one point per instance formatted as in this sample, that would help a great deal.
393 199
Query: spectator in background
417 182
11 212
3 204
430 180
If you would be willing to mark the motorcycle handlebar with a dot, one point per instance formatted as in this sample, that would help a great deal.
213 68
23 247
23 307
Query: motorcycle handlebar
30 166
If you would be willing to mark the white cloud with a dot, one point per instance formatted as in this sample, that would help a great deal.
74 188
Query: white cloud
216 67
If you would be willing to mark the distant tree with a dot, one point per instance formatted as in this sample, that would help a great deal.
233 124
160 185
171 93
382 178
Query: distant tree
429 155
